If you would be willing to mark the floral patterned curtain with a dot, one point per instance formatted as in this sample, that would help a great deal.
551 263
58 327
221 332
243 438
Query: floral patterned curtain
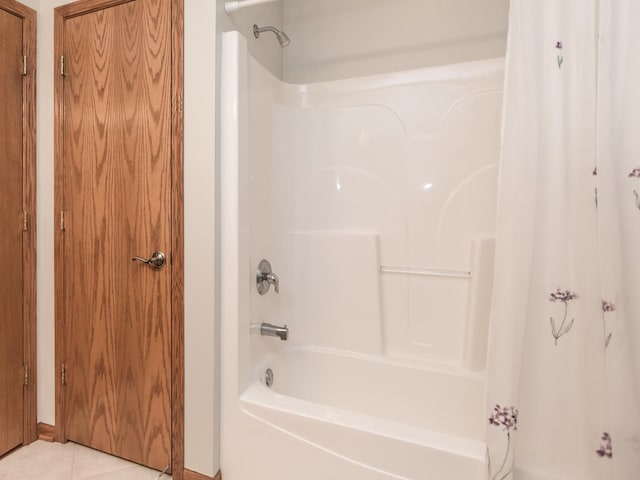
564 354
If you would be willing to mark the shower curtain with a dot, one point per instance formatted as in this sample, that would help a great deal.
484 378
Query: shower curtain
564 358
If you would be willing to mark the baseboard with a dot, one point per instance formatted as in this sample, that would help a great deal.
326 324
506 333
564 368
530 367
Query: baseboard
46 432
190 475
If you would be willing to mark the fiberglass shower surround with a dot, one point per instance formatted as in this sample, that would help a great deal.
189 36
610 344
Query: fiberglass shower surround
357 191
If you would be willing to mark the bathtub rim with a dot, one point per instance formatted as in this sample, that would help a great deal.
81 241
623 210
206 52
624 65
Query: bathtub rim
412 363
258 396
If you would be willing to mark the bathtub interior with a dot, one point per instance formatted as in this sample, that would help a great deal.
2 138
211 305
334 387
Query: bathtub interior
392 392
359 190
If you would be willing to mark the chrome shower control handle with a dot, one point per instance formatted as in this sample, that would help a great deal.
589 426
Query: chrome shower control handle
273 279
265 278
158 259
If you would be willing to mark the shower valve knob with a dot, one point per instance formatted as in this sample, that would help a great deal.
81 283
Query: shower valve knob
265 278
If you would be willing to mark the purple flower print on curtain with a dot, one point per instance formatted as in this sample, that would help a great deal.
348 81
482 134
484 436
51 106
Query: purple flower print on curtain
570 126
595 174
507 419
606 308
560 57
564 296
605 450
635 173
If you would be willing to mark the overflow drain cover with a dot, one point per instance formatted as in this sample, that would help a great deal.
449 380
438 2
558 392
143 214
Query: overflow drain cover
268 377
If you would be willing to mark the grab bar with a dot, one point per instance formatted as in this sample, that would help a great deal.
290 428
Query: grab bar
425 272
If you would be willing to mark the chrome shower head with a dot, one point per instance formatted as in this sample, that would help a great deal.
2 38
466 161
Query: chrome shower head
282 37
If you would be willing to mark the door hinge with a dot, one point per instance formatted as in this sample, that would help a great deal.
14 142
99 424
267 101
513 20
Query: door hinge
24 65
63 374
63 69
25 221
62 220
26 375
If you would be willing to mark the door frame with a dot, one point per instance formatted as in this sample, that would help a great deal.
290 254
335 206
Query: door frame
29 305
177 218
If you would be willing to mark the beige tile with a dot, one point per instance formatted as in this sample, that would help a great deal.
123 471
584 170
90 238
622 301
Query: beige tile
38 461
88 462
55 461
132 473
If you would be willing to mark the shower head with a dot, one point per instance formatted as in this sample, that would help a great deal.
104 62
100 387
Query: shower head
282 37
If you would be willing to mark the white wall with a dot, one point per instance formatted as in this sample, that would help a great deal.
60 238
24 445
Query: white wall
45 220
201 450
346 38
201 387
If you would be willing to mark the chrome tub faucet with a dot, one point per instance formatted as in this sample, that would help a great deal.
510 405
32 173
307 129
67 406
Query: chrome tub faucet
270 330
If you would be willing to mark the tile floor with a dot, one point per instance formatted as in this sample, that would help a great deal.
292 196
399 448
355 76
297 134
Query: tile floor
55 461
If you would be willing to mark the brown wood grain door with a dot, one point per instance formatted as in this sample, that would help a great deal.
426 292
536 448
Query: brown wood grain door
11 273
17 226
116 205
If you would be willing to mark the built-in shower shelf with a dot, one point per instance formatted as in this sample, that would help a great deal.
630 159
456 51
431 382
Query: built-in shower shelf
425 272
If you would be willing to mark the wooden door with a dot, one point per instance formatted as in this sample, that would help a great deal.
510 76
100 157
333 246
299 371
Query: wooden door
11 327
17 236
116 204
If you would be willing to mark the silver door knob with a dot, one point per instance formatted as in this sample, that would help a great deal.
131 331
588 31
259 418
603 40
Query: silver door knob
158 259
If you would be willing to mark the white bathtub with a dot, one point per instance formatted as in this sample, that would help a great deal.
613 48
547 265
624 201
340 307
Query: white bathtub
368 386
389 418
397 394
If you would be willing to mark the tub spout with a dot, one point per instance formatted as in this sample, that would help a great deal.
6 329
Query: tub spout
274 331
